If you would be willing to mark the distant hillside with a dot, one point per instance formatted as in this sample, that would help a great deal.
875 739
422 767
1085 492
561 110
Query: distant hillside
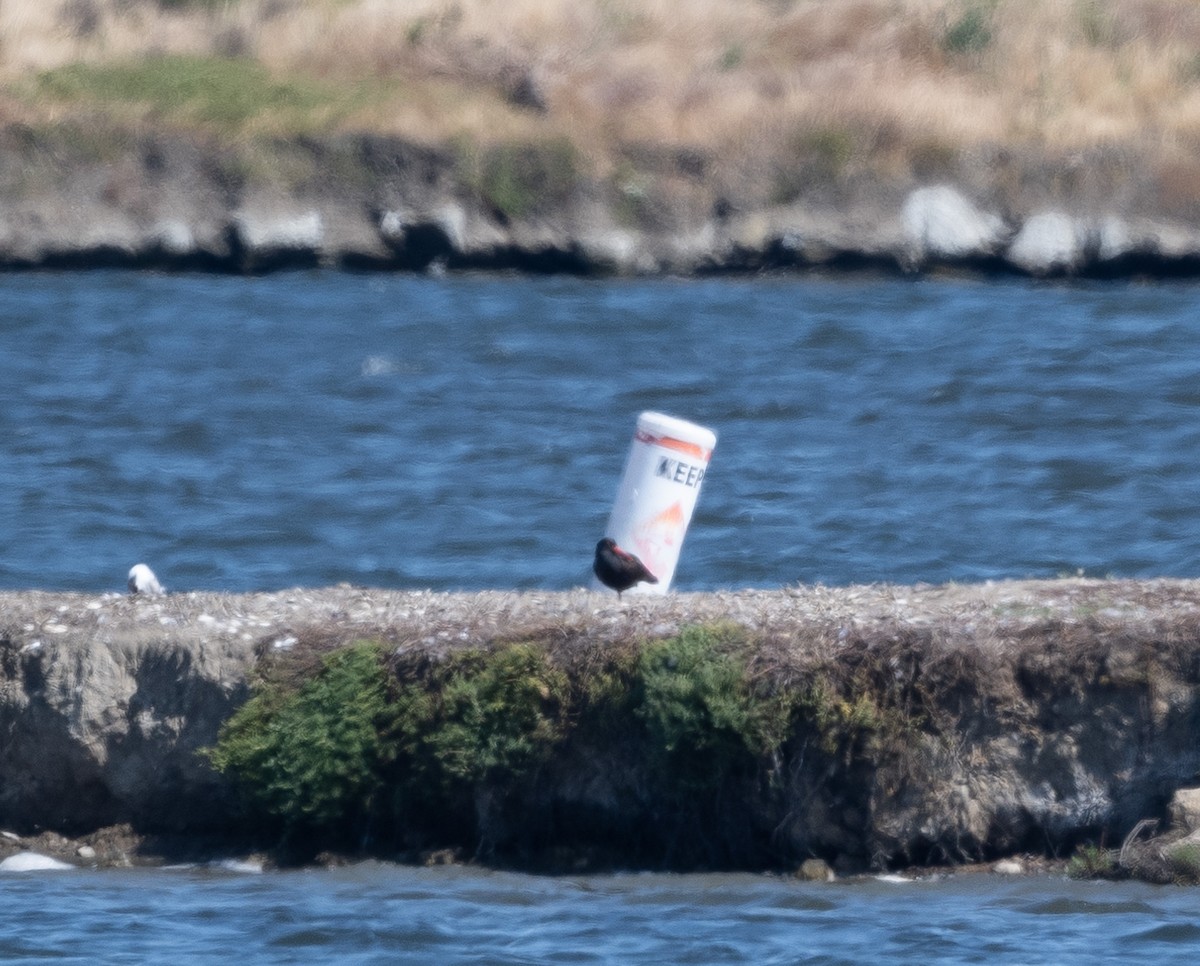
669 116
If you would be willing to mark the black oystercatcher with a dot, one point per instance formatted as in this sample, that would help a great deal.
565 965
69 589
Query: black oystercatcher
617 568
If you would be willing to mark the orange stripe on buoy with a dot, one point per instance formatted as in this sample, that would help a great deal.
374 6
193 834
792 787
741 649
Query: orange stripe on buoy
679 445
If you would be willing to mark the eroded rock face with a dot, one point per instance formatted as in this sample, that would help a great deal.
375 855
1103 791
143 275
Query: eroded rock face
366 201
971 721
105 727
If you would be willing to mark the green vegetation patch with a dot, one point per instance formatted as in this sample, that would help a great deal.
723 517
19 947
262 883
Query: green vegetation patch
313 757
361 746
485 716
355 748
703 710
226 93
521 178
1092 862
969 31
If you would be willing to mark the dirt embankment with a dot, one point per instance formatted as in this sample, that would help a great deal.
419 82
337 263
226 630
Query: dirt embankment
952 724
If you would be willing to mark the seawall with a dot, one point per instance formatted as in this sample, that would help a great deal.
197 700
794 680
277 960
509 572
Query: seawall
938 723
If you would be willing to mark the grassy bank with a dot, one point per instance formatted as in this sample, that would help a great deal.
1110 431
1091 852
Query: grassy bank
767 100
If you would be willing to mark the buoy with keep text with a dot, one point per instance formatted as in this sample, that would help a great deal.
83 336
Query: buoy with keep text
663 474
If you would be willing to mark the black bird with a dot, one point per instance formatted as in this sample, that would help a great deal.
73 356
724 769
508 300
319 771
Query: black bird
617 568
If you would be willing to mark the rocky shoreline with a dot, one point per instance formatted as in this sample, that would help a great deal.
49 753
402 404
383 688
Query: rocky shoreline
1011 718
372 203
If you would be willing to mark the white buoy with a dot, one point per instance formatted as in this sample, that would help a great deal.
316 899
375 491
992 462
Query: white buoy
658 492
143 581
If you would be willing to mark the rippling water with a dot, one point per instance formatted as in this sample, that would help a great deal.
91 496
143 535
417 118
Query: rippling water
383 914
304 429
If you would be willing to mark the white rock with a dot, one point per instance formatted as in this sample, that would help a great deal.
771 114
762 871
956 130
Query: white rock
1184 809
271 231
33 862
1008 867
940 222
1048 242
393 227
174 237
1113 239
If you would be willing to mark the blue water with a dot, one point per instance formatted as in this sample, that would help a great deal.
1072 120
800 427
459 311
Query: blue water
447 433
373 913
306 429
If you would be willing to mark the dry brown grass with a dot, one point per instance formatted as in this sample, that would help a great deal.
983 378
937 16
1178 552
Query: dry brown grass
738 81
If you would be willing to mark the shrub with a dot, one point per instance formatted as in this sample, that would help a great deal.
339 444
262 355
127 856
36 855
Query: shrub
700 709
483 717
313 757
816 157
841 724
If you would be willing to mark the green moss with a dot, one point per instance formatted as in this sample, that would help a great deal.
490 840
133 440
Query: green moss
1184 860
